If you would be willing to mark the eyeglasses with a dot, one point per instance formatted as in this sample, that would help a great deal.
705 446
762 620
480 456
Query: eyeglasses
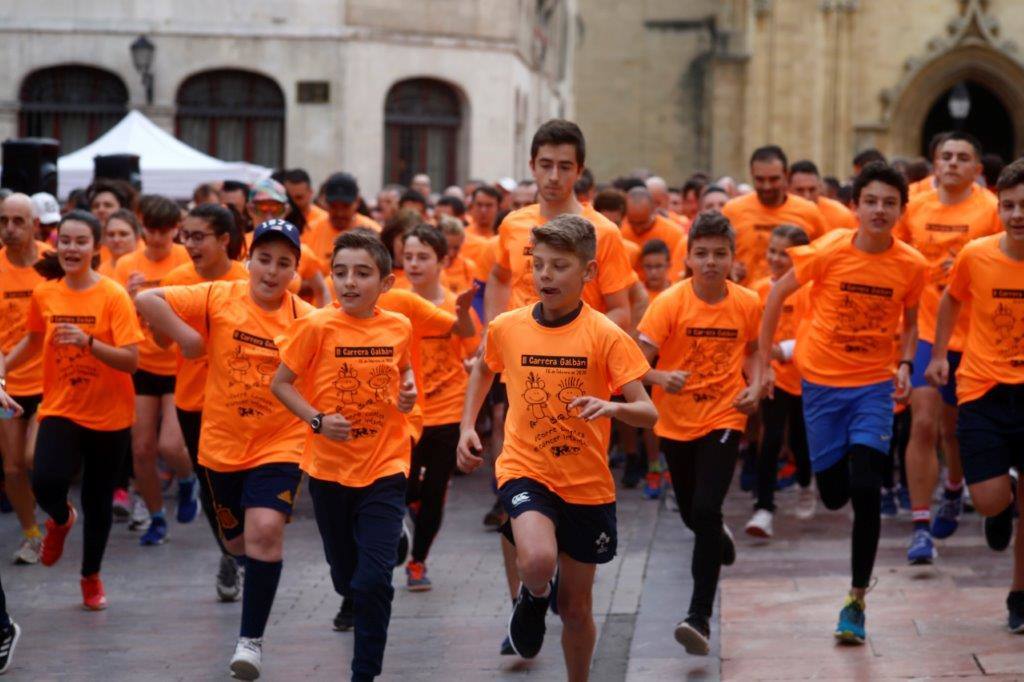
195 237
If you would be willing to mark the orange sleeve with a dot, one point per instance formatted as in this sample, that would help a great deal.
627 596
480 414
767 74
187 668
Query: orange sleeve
298 345
124 321
913 297
34 321
614 273
626 362
656 323
959 286
808 262
500 250
309 264
492 355
469 344
191 304
753 314
430 320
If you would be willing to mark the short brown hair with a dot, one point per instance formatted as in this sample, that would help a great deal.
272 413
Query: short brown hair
158 212
568 233
559 131
610 199
1011 176
711 224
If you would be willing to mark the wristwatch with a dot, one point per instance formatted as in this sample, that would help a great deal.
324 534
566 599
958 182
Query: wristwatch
316 422
3 383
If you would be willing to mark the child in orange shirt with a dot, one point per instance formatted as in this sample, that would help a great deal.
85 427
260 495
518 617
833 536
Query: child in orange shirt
357 386
250 446
84 326
560 360
703 332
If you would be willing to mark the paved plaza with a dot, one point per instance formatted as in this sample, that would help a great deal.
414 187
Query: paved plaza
778 605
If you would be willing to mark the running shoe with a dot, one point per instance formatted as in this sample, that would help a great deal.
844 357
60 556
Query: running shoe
652 485
53 541
728 547
9 637
229 579
903 495
850 629
344 620
28 551
506 647
693 633
140 514
890 508
93 596
496 516
246 663
633 472
122 505
921 551
785 476
947 518
156 534
999 529
416 577
404 542
760 524
806 504
1015 605
526 624
188 500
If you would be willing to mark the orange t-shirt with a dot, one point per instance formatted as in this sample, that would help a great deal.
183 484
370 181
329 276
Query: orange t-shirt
319 235
190 381
482 251
993 283
791 322
544 370
939 232
478 231
314 214
352 366
857 302
459 275
633 252
16 287
244 425
680 220
514 248
653 294
837 215
663 229
677 266
925 184
708 341
754 223
152 358
445 380
76 385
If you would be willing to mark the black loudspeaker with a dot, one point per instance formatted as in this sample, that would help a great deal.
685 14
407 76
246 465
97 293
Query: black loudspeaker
118 167
30 165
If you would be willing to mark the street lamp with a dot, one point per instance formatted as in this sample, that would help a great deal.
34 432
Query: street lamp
959 104
142 57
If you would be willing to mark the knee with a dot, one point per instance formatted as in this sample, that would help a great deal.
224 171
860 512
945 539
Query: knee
263 539
14 467
536 565
833 497
576 614
705 518
143 447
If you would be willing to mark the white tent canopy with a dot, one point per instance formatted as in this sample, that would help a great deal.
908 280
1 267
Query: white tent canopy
169 166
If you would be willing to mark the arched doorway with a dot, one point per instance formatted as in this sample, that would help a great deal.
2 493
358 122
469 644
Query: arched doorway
72 103
987 119
422 122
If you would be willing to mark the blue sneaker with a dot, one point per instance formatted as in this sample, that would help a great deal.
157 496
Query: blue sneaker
947 518
922 551
904 497
850 629
156 534
188 500
889 509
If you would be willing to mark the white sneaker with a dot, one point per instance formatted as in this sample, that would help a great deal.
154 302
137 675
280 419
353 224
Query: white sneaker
248 658
806 504
28 551
140 514
760 524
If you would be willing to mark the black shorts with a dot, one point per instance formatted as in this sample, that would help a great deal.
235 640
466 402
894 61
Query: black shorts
29 404
147 383
191 424
991 433
586 532
271 486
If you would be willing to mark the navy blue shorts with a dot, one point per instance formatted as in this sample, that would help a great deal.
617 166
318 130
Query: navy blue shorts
271 486
29 404
586 532
147 383
921 359
838 417
991 433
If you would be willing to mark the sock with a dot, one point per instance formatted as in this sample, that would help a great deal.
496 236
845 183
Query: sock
158 515
954 490
922 517
183 481
544 595
261 578
33 532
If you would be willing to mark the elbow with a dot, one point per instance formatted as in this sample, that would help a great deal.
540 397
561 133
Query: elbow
650 416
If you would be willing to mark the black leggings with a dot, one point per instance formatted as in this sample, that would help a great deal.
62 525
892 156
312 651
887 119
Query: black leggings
433 461
5 620
857 478
897 449
191 425
785 409
701 473
61 447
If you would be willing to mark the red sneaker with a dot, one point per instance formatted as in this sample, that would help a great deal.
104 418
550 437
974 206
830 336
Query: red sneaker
53 541
93 596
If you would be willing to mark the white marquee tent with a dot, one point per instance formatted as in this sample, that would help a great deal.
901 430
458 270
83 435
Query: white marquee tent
169 166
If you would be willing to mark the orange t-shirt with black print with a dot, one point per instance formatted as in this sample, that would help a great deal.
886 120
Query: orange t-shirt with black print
793 317
993 283
76 385
459 275
445 380
482 251
244 425
754 222
663 229
545 369
190 381
320 234
837 216
16 287
514 248
857 302
152 358
352 367
939 232
708 341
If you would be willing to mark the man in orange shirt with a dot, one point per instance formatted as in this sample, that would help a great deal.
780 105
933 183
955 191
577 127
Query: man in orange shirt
387 201
805 181
481 232
299 186
754 216
660 196
643 222
561 360
939 224
341 192
863 282
989 274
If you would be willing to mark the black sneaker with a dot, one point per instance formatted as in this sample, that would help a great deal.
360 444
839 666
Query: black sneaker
633 472
728 547
999 529
526 625
1015 605
553 597
344 621
404 541
229 582
506 647
495 517
9 637
694 633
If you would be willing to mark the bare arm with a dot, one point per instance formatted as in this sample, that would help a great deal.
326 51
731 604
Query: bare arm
753 367
638 301
938 368
480 380
23 351
618 309
464 326
283 388
124 358
638 410
672 381
908 346
783 289
155 309
497 293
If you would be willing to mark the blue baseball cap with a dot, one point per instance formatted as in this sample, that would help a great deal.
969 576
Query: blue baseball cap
277 227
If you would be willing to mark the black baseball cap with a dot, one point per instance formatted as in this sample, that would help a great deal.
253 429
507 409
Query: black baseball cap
341 187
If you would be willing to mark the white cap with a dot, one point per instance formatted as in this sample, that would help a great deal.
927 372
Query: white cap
507 184
47 208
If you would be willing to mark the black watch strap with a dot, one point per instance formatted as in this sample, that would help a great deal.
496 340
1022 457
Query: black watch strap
317 422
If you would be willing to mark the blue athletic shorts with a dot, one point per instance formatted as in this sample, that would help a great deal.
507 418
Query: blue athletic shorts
838 417
921 359
273 486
